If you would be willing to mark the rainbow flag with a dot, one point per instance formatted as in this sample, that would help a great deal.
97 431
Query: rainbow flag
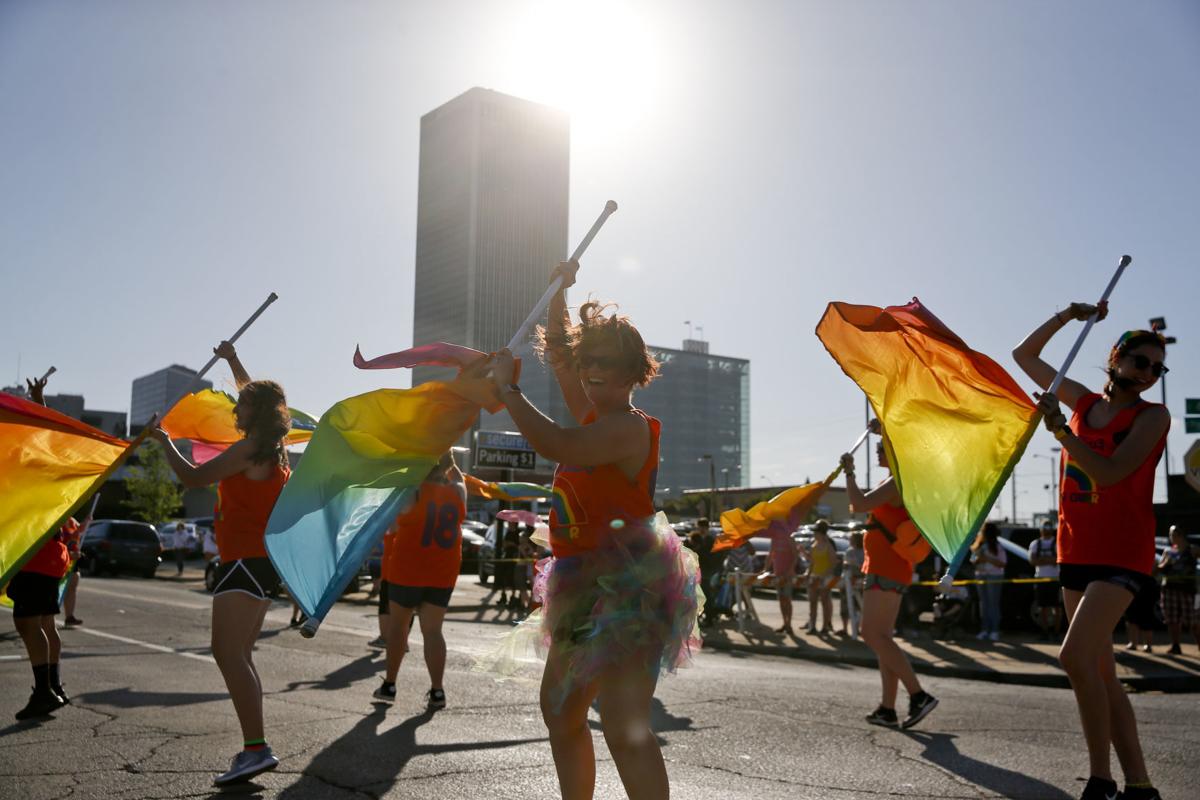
367 457
508 491
206 418
790 506
955 422
49 463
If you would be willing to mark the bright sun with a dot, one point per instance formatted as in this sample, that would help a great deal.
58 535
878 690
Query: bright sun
600 62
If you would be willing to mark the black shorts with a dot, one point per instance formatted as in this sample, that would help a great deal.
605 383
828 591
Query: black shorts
253 576
383 597
1076 577
413 596
1049 595
33 594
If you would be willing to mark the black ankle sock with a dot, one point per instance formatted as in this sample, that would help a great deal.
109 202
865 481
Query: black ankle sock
55 681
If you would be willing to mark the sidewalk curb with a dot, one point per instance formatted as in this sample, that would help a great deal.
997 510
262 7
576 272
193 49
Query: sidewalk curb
1052 680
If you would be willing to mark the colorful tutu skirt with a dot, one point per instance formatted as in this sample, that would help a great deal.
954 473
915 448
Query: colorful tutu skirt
634 600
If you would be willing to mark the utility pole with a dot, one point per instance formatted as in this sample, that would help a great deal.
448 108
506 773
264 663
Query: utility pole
1158 325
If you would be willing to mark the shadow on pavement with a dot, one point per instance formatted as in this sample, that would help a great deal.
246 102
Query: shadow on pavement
364 757
129 698
343 677
941 750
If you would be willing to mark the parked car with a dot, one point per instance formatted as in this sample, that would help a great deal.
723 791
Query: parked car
472 543
116 545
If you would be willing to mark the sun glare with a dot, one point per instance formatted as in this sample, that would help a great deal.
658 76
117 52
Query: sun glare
600 62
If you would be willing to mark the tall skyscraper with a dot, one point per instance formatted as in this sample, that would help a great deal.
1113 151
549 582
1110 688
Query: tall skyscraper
152 393
703 401
491 225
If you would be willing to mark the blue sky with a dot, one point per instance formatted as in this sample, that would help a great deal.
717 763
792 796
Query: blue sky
166 165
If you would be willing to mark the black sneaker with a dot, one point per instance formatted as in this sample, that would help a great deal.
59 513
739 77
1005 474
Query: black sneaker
386 691
62 694
919 706
40 705
1140 793
1099 789
884 716
437 699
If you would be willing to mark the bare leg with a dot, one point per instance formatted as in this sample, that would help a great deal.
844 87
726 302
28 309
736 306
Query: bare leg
69 597
624 700
33 634
399 620
880 609
236 621
53 642
431 617
826 607
813 599
1086 655
570 739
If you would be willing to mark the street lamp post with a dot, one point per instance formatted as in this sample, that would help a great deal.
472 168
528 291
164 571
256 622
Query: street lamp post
1158 325
712 486
1053 487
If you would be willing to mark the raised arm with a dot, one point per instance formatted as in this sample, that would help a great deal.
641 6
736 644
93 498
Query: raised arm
235 459
558 319
1147 430
617 439
865 502
226 351
1028 353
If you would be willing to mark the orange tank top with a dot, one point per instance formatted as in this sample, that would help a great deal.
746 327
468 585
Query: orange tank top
588 500
243 508
426 548
881 557
1107 525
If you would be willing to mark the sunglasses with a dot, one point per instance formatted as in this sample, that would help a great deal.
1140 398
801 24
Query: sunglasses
600 362
1157 368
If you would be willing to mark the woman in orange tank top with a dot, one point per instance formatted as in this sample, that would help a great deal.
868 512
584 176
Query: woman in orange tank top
604 646
249 475
887 574
1111 447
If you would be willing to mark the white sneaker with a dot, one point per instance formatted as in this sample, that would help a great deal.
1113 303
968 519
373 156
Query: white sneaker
246 765
981 635
994 636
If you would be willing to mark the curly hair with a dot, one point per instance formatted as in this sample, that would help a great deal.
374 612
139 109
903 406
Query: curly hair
267 420
593 330
1129 341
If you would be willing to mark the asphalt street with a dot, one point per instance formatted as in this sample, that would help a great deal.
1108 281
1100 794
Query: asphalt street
150 719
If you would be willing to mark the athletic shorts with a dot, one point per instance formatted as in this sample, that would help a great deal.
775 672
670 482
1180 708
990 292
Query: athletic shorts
785 585
383 597
413 596
879 582
1049 595
253 576
1076 577
33 594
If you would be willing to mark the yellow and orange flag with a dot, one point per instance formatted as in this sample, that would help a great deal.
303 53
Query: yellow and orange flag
955 422
49 463
790 506
206 418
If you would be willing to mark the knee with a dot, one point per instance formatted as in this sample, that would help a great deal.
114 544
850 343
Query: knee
561 725
626 735
1075 660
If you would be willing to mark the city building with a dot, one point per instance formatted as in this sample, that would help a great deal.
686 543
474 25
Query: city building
703 401
491 226
153 393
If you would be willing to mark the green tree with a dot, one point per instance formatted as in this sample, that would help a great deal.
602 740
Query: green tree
154 496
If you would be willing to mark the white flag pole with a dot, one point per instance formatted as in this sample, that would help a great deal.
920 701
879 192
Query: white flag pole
522 333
